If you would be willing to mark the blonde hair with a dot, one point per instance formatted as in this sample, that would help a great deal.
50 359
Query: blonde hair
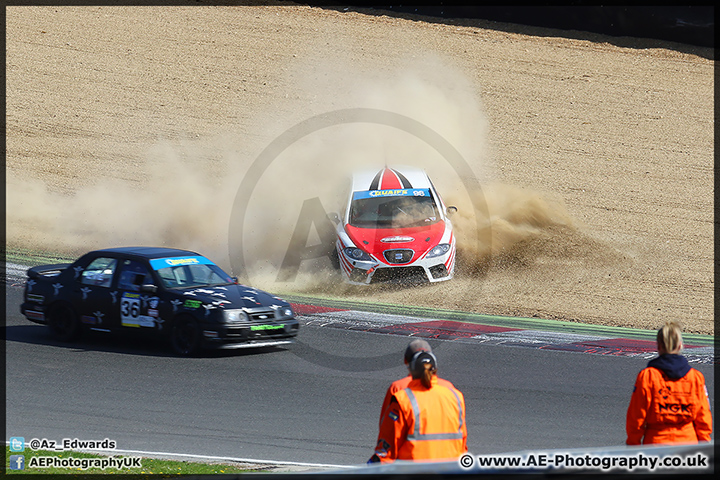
669 337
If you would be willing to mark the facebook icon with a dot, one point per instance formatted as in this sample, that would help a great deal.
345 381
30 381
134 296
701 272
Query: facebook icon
17 462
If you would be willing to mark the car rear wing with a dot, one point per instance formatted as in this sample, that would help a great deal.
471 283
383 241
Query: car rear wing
47 270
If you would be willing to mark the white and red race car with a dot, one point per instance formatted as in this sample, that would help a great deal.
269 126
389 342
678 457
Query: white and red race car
395 228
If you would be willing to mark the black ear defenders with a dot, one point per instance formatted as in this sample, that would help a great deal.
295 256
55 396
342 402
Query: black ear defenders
421 358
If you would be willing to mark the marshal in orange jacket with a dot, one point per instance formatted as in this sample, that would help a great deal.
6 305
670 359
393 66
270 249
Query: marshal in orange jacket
669 404
423 424
401 384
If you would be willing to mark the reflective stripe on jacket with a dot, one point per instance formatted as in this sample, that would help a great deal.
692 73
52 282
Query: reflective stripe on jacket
423 424
666 410
402 384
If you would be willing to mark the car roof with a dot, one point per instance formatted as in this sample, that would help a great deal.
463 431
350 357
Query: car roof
149 252
390 178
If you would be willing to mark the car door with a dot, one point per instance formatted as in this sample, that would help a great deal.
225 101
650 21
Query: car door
136 309
93 295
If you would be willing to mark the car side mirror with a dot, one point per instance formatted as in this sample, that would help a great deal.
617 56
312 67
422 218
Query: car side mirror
334 217
148 288
451 210
236 280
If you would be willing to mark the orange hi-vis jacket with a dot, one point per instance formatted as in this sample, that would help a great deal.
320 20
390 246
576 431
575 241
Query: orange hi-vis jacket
669 408
401 384
423 424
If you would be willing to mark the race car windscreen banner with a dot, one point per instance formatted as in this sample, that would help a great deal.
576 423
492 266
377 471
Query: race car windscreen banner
159 263
404 192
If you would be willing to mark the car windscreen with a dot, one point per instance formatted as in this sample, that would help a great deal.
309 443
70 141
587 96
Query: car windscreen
191 271
393 209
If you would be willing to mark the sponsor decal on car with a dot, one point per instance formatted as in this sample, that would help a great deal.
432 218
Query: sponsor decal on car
265 327
158 263
192 303
153 307
406 192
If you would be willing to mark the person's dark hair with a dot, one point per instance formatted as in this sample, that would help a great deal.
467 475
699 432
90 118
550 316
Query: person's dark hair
417 345
423 366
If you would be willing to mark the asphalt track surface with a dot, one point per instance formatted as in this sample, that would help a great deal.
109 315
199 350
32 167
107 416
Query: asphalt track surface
316 401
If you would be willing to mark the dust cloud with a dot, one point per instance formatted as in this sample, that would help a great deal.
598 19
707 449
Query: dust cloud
515 216
321 164
183 199
174 203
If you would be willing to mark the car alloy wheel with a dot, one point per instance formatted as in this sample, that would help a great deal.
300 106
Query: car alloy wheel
63 323
185 336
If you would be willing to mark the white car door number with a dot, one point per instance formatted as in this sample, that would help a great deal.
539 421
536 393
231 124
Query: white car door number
130 308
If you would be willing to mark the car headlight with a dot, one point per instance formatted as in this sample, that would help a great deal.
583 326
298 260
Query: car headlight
356 254
235 316
283 313
438 250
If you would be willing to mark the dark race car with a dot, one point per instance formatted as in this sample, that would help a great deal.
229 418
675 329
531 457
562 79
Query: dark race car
177 294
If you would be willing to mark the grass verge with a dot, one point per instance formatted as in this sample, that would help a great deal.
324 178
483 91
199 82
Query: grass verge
33 257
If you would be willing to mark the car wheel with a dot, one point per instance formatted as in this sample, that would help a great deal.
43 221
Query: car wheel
63 322
185 336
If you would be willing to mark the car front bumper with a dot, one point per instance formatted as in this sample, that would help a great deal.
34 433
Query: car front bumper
33 312
248 335
436 269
